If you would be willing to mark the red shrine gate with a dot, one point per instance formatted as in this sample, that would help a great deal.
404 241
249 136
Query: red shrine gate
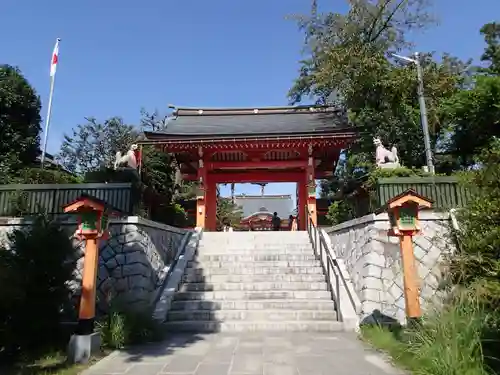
259 145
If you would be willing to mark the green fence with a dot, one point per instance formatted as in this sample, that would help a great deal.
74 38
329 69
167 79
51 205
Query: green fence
445 191
30 199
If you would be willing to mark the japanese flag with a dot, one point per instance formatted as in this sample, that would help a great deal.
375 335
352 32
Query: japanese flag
55 58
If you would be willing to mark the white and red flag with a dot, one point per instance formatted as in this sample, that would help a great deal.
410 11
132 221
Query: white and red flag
55 58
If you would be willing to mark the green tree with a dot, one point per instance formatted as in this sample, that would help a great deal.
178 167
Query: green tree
34 272
349 64
91 151
93 145
491 55
474 118
161 170
478 261
227 211
19 122
471 115
345 48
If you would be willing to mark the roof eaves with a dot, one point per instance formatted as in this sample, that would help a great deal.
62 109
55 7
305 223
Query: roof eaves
156 136
206 111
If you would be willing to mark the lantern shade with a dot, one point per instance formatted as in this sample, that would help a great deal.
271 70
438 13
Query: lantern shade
408 216
92 214
403 212
409 195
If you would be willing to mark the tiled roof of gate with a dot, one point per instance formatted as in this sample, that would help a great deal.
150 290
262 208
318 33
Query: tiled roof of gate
199 122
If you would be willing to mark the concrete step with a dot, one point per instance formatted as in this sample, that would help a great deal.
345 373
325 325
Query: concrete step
255 257
253 295
255 236
252 315
255 264
264 326
254 286
254 245
234 269
280 304
197 278
251 251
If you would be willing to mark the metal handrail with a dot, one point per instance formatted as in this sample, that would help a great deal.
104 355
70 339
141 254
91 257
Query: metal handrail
181 249
328 263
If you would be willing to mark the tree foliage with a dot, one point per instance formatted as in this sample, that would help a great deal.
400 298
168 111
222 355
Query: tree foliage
93 145
349 63
474 118
34 271
349 55
228 212
47 176
91 151
158 167
161 169
479 236
491 55
19 122
346 48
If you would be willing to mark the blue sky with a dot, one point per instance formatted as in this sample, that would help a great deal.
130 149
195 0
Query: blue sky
119 56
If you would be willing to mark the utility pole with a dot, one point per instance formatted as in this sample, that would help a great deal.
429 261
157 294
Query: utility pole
423 109
423 114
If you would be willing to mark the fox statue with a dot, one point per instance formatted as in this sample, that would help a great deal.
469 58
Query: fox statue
129 160
383 155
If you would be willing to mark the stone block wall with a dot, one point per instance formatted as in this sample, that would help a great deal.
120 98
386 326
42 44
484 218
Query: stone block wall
133 263
373 260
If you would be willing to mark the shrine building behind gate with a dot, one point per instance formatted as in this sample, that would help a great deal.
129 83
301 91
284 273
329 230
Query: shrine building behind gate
257 145
258 210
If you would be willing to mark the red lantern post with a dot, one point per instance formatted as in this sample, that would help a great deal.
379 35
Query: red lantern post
403 213
93 220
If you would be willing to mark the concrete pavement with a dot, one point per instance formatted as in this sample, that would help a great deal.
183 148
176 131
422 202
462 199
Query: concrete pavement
263 353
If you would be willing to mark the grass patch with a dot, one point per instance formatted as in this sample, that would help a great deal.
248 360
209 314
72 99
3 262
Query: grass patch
390 342
50 364
118 330
122 328
454 340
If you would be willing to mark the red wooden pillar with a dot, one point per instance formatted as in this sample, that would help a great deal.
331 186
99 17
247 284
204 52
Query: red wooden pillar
211 205
201 200
302 202
311 187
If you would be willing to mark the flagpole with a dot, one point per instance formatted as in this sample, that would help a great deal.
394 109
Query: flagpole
47 120
53 66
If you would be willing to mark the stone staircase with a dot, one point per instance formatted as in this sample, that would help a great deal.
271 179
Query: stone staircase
253 281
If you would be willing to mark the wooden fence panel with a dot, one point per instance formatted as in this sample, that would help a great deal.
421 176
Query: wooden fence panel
50 198
444 191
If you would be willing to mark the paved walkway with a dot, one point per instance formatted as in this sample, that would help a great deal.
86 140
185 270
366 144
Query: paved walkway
248 354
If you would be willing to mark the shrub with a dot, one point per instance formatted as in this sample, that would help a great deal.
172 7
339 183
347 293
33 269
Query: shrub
339 211
46 176
123 327
453 340
362 197
478 261
34 274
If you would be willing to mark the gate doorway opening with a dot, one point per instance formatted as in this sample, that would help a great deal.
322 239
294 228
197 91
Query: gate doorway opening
251 207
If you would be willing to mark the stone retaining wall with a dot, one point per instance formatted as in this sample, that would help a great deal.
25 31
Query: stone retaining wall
133 263
373 261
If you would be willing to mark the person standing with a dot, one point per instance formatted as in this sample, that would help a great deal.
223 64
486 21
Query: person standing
227 225
276 221
292 224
